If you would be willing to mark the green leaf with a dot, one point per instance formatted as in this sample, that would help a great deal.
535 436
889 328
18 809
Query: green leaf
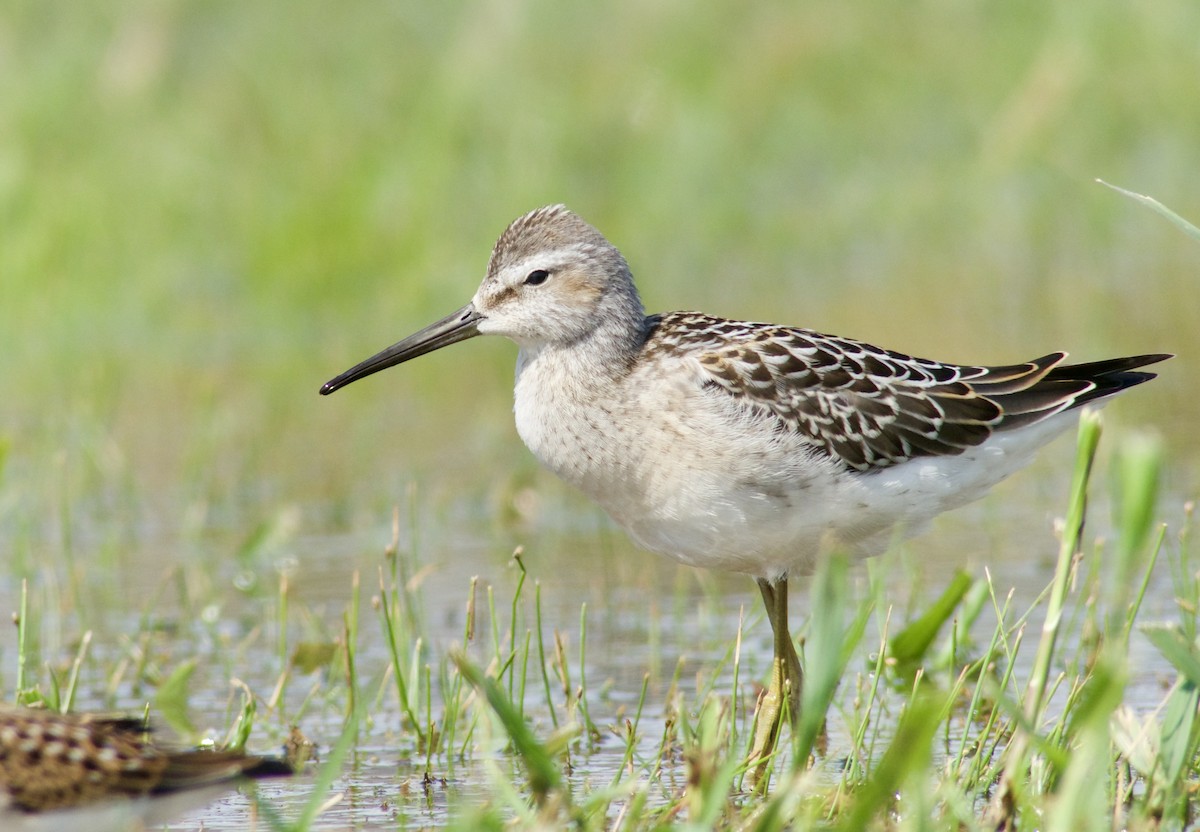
1139 465
1176 648
310 656
1178 726
240 734
171 699
1098 699
911 643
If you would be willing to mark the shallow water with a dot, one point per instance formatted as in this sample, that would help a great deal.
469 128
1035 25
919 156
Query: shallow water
214 210
643 616
153 594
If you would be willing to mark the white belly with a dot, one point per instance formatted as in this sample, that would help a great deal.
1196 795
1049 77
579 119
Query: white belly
687 476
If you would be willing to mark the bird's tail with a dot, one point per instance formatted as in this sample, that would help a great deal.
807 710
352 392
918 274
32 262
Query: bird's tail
1028 393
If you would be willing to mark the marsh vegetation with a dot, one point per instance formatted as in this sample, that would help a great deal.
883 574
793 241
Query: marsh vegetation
210 209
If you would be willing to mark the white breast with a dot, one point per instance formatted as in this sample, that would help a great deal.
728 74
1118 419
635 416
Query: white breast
690 475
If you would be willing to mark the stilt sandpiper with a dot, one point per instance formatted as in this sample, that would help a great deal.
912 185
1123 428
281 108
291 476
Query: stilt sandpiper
749 447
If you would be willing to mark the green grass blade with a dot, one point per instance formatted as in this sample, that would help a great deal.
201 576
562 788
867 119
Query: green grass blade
906 759
1080 801
1016 765
326 774
1179 730
911 643
1182 653
22 640
1155 205
389 629
1139 467
829 647
171 699
543 774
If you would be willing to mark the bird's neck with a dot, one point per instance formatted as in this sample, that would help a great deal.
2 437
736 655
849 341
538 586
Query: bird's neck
601 355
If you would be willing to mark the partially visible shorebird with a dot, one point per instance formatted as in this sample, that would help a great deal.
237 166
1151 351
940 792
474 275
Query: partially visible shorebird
747 447
64 771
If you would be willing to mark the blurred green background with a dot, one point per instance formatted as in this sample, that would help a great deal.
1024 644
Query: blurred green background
210 208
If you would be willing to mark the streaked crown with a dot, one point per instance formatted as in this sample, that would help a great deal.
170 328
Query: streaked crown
553 278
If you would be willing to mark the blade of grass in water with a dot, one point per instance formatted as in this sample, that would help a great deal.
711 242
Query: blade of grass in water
171 699
1155 205
829 647
592 731
512 624
318 799
1080 800
1139 468
906 760
543 774
23 639
402 690
73 680
1016 766
631 732
541 644
281 622
911 643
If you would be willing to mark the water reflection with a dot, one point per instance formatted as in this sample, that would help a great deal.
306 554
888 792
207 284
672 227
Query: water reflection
646 618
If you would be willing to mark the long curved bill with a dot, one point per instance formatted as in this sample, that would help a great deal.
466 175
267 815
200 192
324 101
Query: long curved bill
455 327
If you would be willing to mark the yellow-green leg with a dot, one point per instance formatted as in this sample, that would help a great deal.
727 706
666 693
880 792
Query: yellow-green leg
786 681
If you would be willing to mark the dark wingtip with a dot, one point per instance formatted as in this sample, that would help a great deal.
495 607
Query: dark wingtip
1110 376
269 767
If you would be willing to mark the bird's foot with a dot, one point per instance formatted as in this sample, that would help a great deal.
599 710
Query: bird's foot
780 702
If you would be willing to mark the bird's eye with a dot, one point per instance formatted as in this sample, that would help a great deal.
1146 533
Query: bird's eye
536 277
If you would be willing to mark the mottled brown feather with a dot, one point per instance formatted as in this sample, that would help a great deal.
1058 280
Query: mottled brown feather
55 761
872 408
